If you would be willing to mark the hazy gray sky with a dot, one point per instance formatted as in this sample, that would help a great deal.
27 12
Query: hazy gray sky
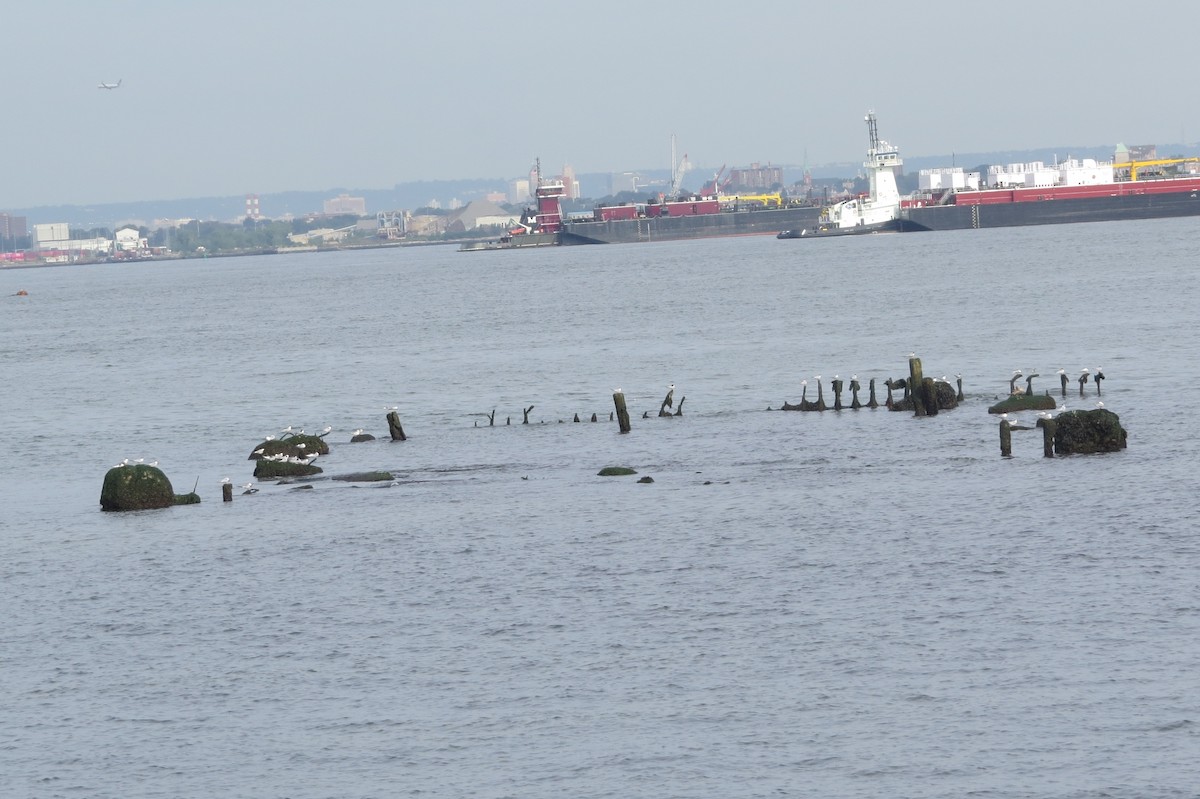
225 98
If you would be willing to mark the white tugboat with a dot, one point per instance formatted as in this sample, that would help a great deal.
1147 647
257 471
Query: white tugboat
879 211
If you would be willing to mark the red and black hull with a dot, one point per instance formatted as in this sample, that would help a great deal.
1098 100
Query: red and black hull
1060 205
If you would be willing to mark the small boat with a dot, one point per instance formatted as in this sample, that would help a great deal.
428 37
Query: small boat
878 211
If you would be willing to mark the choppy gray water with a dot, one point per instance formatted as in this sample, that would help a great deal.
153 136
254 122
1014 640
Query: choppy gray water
854 604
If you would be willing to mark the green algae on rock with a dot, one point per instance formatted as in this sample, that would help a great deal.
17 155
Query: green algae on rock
139 487
616 471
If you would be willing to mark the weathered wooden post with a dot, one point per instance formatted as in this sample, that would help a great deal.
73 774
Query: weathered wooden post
854 387
576 417
874 403
1029 384
837 393
227 492
1062 376
526 411
679 407
1083 378
1099 376
958 379
1049 426
820 395
668 401
622 413
593 417
929 396
394 426
1005 438
913 386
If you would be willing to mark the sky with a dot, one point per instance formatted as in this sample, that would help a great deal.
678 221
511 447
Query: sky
225 98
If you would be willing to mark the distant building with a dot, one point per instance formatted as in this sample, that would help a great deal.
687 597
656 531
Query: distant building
54 241
1135 152
252 210
129 239
345 204
755 177
570 184
392 224
518 191
13 227
52 235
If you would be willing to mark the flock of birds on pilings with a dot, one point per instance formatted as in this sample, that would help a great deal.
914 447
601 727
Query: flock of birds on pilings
296 448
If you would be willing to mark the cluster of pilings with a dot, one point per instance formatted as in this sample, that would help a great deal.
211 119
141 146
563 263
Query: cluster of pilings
668 408
924 396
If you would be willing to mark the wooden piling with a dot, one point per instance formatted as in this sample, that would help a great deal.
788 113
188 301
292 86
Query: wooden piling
1062 376
492 418
1049 426
929 396
912 387
837 394
526 411
394 426
576 417
854 387
622 413
227 492
874 403
959 396
1005 438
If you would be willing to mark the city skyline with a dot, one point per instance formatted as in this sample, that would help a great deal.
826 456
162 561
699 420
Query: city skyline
220 99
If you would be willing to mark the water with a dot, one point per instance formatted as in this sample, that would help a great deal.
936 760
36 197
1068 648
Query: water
855 604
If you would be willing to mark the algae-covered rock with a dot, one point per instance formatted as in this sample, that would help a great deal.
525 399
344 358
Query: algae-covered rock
187 499
1024 402
364 477
289 446
1083 432
615 471
136 487
265 470
358 438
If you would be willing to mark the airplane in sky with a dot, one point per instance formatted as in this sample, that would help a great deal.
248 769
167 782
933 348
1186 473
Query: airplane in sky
116 85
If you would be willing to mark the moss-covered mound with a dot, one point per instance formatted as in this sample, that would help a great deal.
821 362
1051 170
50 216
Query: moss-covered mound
265 470
311 443
187 499
615 471
358 439
290 447
138 487
364 477
1024 402
1083 432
